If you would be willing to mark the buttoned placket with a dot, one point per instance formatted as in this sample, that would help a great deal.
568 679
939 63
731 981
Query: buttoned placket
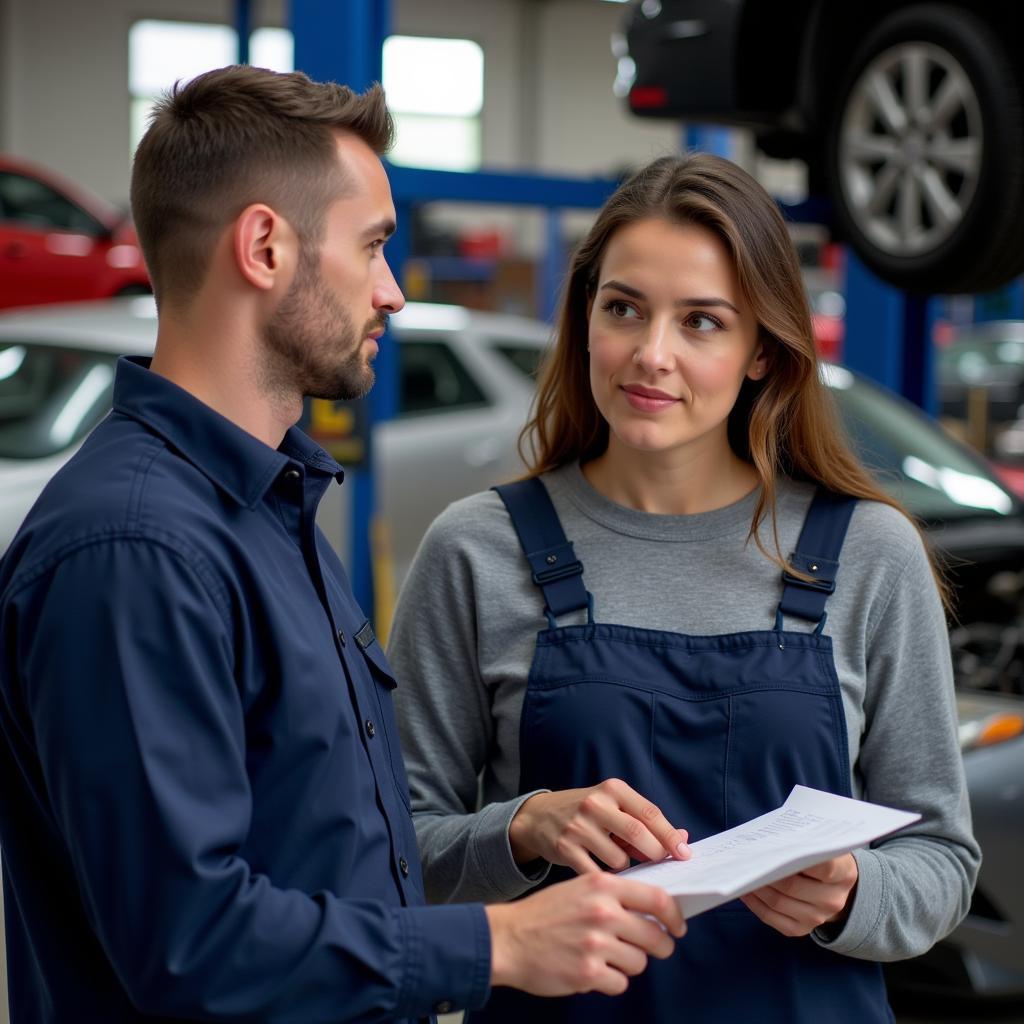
399 832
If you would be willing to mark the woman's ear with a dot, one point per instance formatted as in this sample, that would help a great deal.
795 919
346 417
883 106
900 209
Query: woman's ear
758 367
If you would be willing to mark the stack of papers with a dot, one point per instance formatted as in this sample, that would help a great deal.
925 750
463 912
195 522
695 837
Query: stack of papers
810 827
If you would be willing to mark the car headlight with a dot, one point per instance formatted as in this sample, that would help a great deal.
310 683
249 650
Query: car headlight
984 728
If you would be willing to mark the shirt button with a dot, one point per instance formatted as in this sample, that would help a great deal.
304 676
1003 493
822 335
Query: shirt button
445 1006
291 476
342 638
403 866
371 729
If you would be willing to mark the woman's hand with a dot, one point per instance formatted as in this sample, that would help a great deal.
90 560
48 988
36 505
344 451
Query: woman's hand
610 821
799 904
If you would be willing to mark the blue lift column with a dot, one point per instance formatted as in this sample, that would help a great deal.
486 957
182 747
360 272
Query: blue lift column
343 42
888 335
243 28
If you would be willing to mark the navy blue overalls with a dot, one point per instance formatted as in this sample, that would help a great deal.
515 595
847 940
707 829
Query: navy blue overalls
715 730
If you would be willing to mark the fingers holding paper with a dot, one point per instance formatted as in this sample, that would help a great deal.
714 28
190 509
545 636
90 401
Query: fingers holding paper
610 823
800 903
590 934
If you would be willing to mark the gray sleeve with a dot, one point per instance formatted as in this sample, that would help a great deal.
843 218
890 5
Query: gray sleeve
914 888
445 722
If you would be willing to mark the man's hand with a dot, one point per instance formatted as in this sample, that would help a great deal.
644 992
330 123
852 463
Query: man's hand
585 935
799 904
609 821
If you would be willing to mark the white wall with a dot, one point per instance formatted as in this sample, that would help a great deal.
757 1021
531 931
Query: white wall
582 128
64 81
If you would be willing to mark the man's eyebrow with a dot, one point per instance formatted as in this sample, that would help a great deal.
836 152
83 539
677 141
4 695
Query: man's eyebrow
635 293
385 227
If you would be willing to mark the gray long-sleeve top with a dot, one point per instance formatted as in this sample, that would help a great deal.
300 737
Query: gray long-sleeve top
463 641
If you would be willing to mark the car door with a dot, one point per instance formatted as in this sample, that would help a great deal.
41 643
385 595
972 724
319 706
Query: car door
455 434
49 248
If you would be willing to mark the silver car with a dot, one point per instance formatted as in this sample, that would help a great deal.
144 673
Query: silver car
464 387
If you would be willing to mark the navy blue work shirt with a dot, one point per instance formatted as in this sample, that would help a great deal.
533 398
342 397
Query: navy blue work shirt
203 808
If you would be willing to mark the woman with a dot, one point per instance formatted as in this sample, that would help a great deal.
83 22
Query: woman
698 600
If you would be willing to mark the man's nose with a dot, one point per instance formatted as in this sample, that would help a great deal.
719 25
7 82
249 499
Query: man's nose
387 296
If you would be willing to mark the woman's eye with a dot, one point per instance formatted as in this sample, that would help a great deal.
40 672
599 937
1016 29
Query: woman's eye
702 322
619 309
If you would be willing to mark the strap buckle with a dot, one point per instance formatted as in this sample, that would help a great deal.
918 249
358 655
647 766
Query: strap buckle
554 564
822 570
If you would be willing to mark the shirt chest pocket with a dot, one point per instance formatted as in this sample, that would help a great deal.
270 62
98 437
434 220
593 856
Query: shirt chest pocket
386 728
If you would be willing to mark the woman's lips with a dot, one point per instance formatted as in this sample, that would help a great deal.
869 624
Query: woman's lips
647 399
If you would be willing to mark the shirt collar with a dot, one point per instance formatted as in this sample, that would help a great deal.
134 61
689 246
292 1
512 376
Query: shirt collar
237 462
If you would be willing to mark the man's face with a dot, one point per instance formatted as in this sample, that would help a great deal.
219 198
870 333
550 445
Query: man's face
323 335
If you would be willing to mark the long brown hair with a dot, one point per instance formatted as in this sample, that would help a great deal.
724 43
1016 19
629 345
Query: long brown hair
785 423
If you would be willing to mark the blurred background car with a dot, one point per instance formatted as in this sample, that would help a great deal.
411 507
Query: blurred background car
466 380
465 384
981 392
828 310
59 243
907 115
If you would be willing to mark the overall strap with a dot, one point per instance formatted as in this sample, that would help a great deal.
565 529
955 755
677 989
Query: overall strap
817 554
553 563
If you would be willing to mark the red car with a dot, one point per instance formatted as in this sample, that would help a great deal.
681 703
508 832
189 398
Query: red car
59 243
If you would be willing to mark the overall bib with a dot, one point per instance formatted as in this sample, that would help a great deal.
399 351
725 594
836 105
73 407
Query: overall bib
715 730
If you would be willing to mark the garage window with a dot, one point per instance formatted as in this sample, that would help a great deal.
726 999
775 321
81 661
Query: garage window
435 87
162 52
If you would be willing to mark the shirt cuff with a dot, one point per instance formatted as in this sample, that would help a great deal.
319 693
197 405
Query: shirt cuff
869 902
447 959
493 851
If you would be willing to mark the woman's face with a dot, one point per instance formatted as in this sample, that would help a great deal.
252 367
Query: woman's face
671 338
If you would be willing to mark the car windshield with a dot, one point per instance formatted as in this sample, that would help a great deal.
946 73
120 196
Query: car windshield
935 477
525 358
50 397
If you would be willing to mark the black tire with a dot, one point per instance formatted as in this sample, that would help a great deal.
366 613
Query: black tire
133 289
982 246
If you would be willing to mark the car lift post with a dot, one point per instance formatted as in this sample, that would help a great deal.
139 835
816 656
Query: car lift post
888 335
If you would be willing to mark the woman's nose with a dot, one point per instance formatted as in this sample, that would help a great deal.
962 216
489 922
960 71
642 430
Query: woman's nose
654 353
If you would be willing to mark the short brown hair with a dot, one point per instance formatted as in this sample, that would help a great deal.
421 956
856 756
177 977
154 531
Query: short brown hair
233 137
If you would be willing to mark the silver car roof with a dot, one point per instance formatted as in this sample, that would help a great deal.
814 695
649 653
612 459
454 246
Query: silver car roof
129 324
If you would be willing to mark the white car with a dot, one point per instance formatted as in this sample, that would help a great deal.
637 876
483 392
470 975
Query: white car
465 384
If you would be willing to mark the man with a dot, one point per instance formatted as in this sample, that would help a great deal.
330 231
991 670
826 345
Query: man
204 810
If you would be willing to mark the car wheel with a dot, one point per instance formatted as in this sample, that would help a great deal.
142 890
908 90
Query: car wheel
925 154
133 289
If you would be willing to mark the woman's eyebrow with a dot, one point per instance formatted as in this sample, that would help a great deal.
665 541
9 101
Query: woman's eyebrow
635 293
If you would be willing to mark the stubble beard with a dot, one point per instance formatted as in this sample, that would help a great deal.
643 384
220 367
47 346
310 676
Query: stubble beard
311 349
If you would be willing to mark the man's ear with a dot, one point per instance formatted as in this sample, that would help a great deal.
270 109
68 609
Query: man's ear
265 246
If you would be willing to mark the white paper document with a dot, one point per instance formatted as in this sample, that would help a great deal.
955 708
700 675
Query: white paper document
810 827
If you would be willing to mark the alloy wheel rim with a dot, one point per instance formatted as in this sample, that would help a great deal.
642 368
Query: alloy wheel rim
910 148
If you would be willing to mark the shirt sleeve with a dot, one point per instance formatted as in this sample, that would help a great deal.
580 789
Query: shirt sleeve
127 669
914 888
444 718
